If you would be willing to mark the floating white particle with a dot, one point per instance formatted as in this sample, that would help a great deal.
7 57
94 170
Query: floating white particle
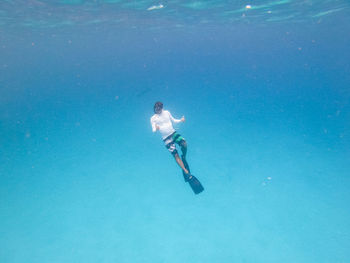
269 178
248 6
154 7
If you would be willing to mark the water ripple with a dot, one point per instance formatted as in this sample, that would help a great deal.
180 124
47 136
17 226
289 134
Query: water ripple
131 13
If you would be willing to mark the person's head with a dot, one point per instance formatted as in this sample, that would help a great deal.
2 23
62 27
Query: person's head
158 107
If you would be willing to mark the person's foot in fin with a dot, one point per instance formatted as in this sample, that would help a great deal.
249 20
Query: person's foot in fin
187 177
191 179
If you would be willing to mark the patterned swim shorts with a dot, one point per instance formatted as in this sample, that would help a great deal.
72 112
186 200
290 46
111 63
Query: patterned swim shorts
171 140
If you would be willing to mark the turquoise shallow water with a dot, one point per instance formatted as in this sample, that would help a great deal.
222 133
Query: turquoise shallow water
266 101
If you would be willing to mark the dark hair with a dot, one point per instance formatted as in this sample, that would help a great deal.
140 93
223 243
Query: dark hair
158 106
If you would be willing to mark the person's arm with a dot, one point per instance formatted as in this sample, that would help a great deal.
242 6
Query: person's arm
154 126
176 120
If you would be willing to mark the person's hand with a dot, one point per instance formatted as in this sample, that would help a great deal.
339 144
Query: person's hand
183 119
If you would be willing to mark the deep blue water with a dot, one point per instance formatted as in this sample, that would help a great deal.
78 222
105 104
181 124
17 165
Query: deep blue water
264 87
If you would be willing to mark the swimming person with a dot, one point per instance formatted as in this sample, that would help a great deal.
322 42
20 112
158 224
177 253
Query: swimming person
162 121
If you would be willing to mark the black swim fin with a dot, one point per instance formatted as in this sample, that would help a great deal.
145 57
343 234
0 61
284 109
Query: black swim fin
191 179
195 185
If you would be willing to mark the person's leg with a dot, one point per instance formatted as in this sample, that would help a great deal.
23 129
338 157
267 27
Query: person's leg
170 145
183 146
180 163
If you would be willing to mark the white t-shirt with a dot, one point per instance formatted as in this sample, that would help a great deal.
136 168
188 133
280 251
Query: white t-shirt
164 121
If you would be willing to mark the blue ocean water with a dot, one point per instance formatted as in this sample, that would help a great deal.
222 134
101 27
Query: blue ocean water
265 89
